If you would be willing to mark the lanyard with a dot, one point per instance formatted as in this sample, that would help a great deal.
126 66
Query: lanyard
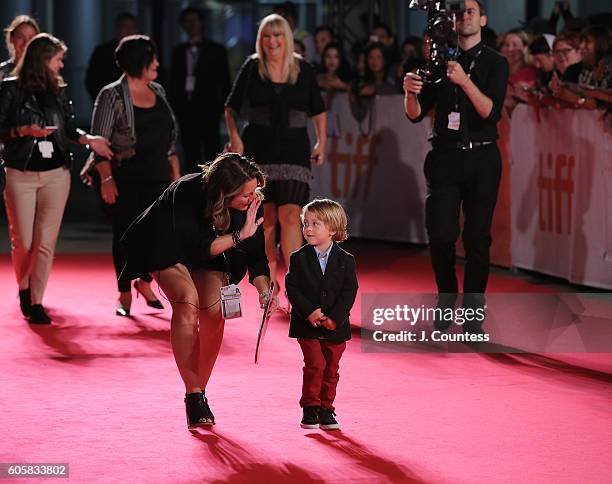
227 265
468 73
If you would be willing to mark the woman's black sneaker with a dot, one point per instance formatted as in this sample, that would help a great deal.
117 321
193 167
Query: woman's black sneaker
197 410
25 304
327 419
310 419
38 315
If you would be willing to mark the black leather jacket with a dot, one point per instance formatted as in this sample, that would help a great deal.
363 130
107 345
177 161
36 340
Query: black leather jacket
19 107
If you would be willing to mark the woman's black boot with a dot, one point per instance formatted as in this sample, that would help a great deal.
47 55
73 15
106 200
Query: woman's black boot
197 410
25 303
38 315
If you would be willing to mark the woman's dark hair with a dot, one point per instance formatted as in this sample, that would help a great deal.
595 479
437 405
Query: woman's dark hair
344 70
33 73
134 53
14 25
369 75
224 178
570 38
603 42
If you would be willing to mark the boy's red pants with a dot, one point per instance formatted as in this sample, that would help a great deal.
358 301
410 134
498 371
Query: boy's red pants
321 363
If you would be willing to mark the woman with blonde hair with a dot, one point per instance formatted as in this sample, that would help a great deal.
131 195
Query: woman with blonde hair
276 91
17 35
523 76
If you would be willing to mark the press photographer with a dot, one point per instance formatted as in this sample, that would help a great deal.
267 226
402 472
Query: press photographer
463 169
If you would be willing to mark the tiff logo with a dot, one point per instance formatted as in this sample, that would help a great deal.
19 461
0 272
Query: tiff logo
555 192
358 167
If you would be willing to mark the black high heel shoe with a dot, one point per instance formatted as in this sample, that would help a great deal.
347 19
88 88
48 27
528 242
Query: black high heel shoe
152 303
197 411
122 309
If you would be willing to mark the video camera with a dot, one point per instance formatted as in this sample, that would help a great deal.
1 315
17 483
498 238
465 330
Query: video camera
441 32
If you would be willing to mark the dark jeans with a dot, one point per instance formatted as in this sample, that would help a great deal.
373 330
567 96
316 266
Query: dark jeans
200 139
468 180
133 199
321 364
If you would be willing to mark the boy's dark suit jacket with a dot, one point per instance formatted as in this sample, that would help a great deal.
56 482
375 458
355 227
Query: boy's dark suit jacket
308 289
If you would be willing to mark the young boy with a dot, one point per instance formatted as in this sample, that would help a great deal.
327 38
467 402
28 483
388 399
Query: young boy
321 286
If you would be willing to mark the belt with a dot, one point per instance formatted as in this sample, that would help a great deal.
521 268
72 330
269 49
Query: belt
462 146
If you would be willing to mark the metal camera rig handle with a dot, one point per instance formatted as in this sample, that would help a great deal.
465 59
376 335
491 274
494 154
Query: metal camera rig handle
441 31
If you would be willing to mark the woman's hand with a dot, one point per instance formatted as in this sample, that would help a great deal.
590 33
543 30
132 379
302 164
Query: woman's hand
236 145
108 190
252 222
100 145
263 299
34 130
521 91
318 153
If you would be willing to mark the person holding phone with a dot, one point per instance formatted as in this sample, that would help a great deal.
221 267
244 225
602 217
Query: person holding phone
277 91
36 127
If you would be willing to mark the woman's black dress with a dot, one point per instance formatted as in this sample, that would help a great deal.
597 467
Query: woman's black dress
174 230
276 136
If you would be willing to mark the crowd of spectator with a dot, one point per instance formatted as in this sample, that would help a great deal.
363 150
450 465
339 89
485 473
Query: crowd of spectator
568 67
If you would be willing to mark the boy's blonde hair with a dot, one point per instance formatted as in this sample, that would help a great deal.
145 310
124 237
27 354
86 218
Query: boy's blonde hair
331 214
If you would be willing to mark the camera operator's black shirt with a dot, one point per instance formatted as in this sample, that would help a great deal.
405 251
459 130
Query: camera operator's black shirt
489 72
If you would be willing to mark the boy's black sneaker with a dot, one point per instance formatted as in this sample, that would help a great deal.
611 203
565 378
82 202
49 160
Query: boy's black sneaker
327 419
310 419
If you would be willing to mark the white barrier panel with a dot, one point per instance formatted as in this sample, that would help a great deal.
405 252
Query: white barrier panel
562 194
375 169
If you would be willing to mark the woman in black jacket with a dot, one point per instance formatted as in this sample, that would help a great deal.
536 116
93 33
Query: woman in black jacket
202 233
36 127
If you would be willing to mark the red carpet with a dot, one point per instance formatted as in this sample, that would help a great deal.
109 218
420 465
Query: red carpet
102 393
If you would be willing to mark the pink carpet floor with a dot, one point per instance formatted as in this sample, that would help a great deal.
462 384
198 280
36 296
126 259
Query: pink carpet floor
102 393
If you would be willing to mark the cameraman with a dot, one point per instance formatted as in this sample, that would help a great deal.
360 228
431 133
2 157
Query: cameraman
463 169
